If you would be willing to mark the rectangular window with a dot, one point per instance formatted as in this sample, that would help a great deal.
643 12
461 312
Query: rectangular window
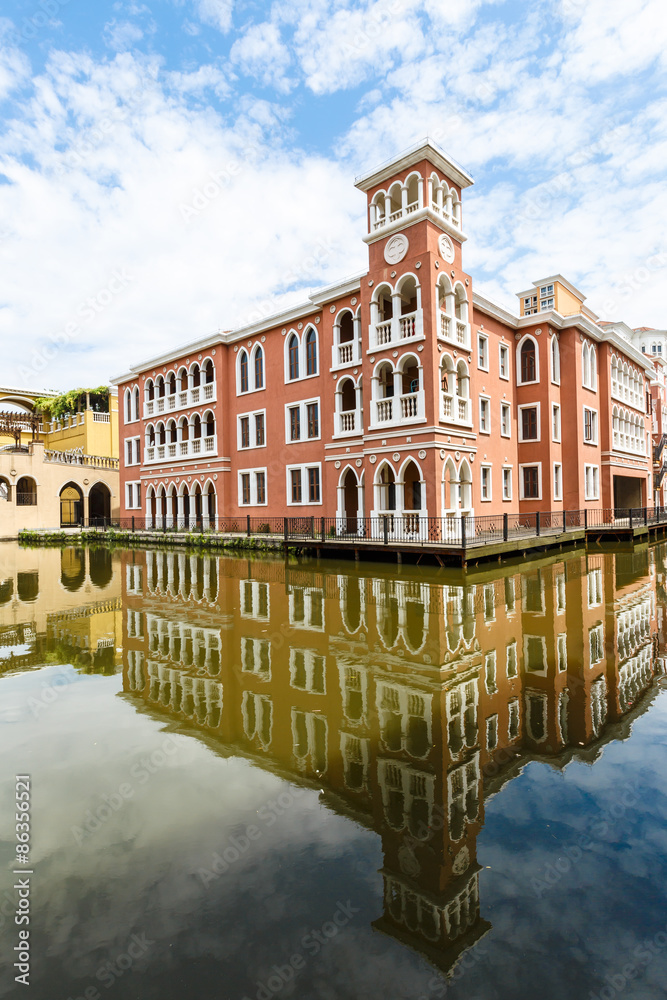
596 644
505 420
260 486
561 652
546 290
592 482
531 482
245 432
590 426
528 423
546 304
483 352
245 488
295 480
314 485
259 430
486 482
492 732
507 484
558 481
555 422
295 423
484 415
511 665
504 361
313 420
490 673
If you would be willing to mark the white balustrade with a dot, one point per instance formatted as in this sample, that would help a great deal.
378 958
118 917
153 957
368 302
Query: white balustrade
384 410
383 333
345 354
408 325
400 409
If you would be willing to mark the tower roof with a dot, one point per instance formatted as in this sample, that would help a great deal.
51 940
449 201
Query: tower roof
425 149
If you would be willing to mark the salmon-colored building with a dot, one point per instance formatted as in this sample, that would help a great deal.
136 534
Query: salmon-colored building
399 391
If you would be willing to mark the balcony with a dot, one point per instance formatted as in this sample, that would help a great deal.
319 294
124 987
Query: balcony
347 353
175 451
180 400
406 408
348 422
455 331
443 211
395 332
454 409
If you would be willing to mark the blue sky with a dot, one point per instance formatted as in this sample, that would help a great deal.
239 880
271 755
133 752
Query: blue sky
172 168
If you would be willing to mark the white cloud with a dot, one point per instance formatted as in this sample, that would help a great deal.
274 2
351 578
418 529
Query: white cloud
217 13
261 53
121 35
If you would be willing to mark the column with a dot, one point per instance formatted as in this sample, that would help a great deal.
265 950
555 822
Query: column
404 199
180 515
448 203
419 324
387 208
395 316
420 192
158 510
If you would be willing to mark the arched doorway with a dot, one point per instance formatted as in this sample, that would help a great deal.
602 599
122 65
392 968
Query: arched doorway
99 505
101 568
26 492
349 503
71 506
210 507
72 568
28 587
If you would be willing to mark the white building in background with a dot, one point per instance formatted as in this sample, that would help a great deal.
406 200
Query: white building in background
644 338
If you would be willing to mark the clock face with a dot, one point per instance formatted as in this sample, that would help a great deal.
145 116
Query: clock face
446 248
396 249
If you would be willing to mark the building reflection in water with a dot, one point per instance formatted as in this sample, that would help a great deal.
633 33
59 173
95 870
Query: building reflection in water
60 606
407 702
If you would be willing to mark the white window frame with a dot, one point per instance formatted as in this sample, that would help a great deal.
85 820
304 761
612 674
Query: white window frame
508 469
530 406
301 337
253 487
592 490
252 431
595 424
133 495
304 485
483 350
505 408
487 400
132 453
536 380
303 419
555 376
555 423
530 465
504 351
557 482
485 467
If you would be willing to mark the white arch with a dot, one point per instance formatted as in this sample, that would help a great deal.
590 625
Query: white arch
519 348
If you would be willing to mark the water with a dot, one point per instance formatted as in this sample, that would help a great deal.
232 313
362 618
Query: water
253 780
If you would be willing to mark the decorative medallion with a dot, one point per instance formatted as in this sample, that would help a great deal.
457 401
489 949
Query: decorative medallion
394 354
337 464
421 347
372 360
457 455
396 456
235 348
446 248
442 453
199 357
353 300
393 274
467 281
263 339
396 248
358 463
373 459
355 371
461 861
418 264
317 320
332 309
370 283
300 326
422 453
284 331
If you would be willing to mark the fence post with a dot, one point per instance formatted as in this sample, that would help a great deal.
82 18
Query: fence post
312 526
537 523
463 531
630 516
322 529
564 522
247 524
585 517
645 516
505 527
285 527
133 524
385 527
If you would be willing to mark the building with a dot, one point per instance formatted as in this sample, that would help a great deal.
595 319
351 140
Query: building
57 473
398 392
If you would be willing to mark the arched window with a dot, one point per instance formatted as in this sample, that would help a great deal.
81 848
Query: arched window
128 406
208 372
293 356
594 369
528 366
555 360
259 368
585 366
243 372
311 352
136 403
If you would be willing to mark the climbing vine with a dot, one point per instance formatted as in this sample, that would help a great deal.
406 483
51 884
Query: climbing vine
55 407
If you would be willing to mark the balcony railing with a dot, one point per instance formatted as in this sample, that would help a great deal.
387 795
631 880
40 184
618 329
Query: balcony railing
405 408
393 332
348 422
454 409
383 333
345 354
181 449
454 331
91 461
401 213
180 400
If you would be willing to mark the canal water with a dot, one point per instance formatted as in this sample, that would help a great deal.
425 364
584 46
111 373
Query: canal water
252 779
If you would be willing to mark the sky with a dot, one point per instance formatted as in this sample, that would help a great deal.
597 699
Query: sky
173 168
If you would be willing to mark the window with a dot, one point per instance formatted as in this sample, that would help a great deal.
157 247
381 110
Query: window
492 732
528 361
483 352
313 420
555 422
311 352
293 356
546 290
596 643
507 484
304 484
294 423
295 480
555 360
530 482
490 673
259 368
484 415
485 472
314 485
592 482
590 426
530 305
511 665
243 372
132 451
260 438
558 481
133 496
505 420
252 487
529 423
561 652
504 361
546 304
244 423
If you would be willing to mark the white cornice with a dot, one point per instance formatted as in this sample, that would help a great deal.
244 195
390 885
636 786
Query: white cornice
409 220
425 149
491 309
